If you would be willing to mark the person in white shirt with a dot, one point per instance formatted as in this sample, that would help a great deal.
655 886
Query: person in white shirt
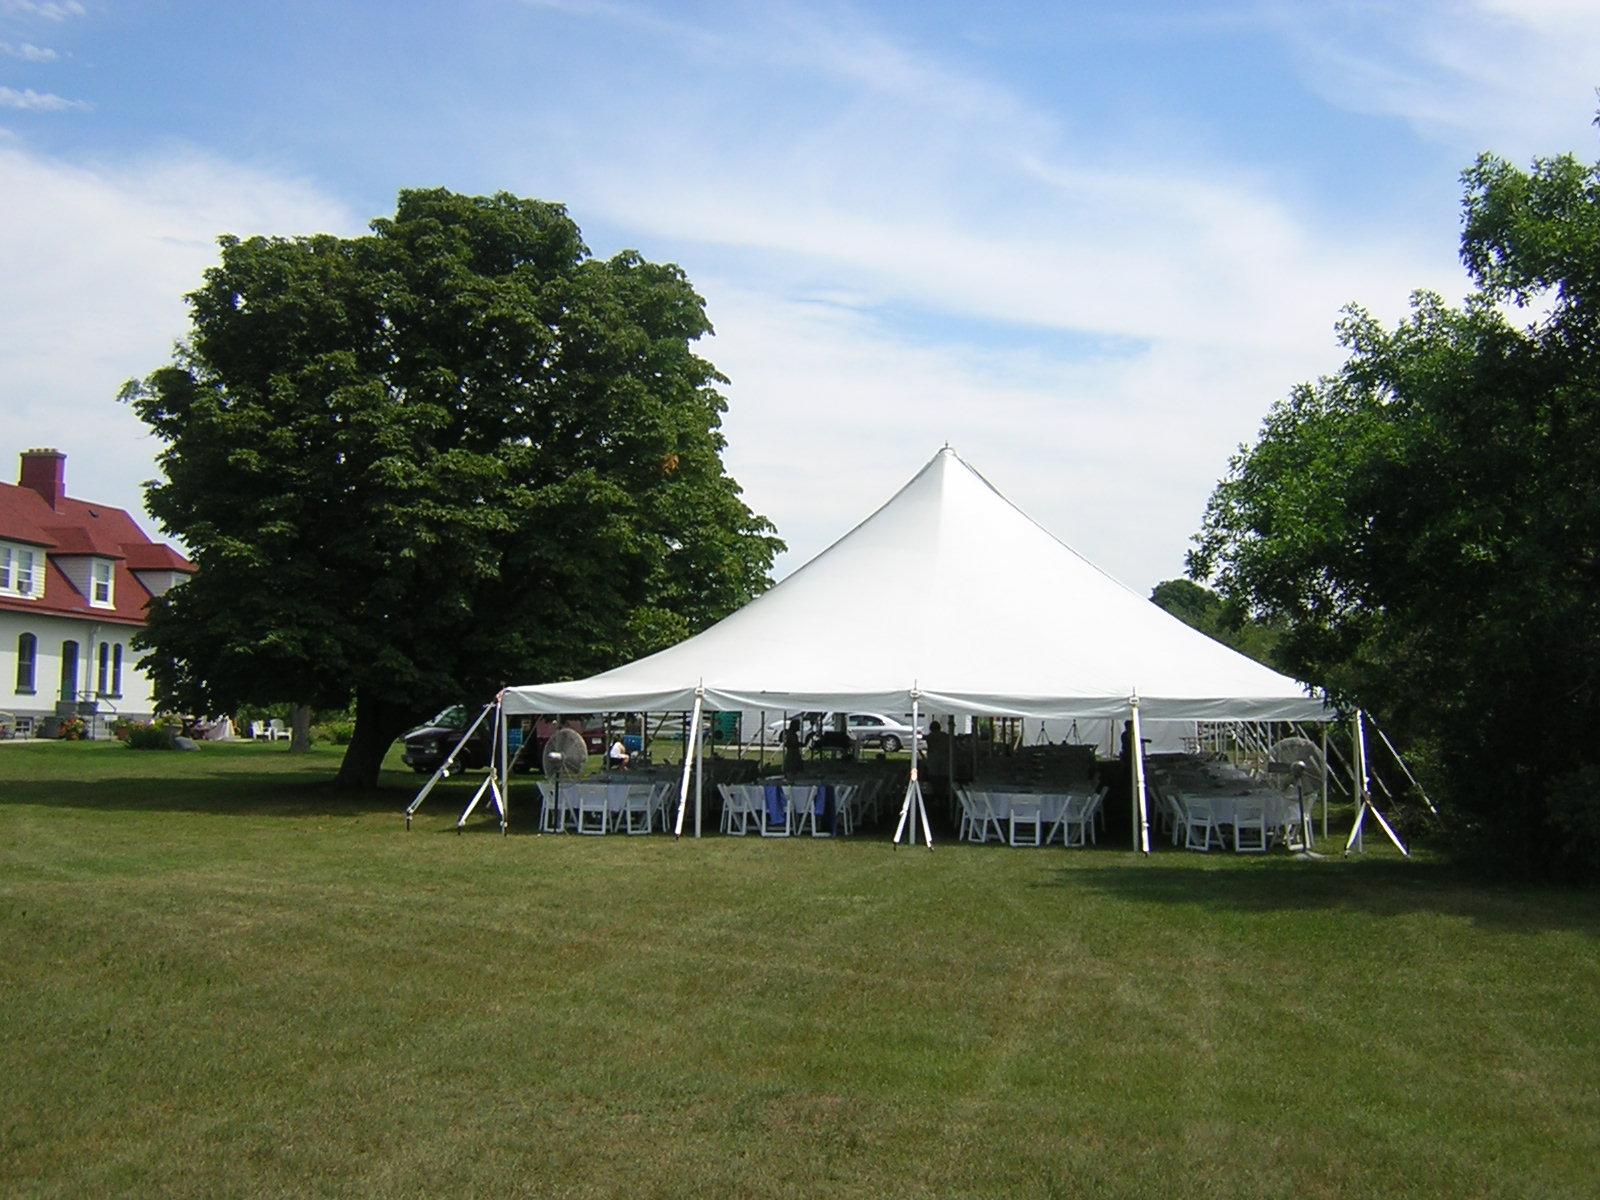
617 756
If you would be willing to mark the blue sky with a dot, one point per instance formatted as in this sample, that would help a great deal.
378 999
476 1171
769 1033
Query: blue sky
1086 244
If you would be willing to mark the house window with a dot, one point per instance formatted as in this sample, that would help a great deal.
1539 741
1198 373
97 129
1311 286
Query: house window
27 659
69 671
116 669
100 585
20 571
103 683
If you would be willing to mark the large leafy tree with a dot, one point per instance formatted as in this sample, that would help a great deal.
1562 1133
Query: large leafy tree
415 465
1201 608
1426 522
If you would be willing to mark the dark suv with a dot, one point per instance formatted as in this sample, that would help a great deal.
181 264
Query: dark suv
429 744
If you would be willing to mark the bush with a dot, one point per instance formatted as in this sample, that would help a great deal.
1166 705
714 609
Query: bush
338 732
73 729
150 736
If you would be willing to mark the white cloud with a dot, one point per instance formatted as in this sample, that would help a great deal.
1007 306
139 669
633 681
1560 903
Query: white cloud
97 263
915 256
46 10
28 52
29 100
1516 77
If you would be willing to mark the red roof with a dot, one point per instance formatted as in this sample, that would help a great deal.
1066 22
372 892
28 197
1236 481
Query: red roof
77 528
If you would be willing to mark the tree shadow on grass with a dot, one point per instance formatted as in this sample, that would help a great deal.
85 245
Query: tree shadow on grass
222 792
1388 887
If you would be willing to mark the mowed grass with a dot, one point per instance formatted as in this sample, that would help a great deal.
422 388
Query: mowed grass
222 979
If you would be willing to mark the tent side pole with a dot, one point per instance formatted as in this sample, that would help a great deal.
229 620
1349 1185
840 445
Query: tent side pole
505 769
1324 781
1358 769
683 784
1141 840
913 790
699 774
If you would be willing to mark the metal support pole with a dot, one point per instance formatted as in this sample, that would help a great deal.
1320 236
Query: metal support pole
505 769
913 793
1141 839
683 785
699 776
1324 781
1405 768
1358 779
444 767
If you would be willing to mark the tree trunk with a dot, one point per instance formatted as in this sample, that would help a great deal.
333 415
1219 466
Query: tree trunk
378 722
300 729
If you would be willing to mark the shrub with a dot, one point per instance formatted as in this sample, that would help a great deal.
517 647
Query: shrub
73 729
150 735
338 732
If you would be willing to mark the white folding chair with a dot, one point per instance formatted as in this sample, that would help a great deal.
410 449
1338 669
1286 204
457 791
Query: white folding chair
767 823
1250 827
1180 818
1070 824
1027 814
735 813
1199 829
983 810
844 804
1096 814
549 817
593 802
638 809
802 808
969 816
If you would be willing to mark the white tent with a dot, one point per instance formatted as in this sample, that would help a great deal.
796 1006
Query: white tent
948 599
951 599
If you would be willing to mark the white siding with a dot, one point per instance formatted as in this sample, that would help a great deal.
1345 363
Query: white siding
52 631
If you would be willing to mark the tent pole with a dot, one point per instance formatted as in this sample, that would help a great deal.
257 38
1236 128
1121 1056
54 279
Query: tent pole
699 776
1366 800
1405 768
505 767
444 767
913 792
1324 781
683 784
1141 839
1358 781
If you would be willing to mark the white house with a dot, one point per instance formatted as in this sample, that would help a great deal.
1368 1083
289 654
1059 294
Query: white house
75 580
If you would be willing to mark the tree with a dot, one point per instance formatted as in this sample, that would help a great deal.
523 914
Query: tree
1426 523
419 464
1202 609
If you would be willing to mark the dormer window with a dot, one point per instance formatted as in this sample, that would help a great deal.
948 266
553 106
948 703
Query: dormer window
100 585
21 571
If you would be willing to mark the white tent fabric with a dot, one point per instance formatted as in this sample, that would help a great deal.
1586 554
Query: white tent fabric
951 596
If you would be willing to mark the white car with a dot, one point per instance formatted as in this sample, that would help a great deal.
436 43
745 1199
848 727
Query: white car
865 729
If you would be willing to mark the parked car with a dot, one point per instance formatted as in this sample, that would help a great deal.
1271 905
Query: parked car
865 729
430 743
887 733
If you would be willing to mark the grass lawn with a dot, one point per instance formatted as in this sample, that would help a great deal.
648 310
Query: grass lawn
221 979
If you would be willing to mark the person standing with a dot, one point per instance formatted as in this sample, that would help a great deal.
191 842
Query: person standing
792 761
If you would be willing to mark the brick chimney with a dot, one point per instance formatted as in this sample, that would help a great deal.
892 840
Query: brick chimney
45 471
